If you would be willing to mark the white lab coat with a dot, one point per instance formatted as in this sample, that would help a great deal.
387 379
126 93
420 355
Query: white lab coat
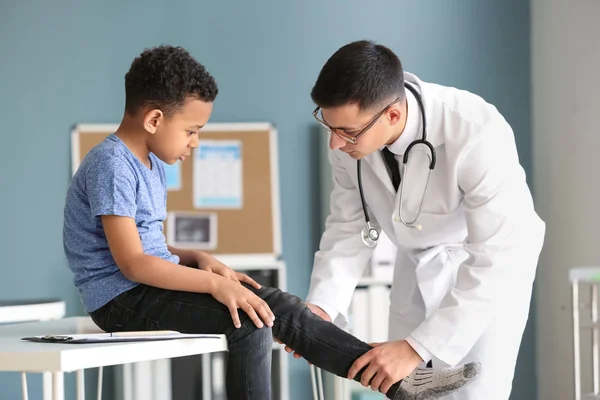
462 285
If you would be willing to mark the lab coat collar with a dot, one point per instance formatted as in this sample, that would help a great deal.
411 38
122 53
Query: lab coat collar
413 126
375 160
432 107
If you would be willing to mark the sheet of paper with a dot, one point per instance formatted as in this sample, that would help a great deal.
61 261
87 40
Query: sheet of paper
117 337
218 174
173 173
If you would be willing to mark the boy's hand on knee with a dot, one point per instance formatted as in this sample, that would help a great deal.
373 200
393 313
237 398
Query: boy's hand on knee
245 278
208 263
234 296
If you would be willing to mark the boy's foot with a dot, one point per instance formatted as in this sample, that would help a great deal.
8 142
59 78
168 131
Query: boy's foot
433 383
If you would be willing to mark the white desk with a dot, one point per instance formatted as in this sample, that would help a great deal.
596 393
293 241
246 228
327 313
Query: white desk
12 311
24 356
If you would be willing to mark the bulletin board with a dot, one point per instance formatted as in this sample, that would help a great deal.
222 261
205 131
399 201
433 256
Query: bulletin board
224 198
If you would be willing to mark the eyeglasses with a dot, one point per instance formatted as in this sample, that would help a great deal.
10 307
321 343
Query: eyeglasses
351 139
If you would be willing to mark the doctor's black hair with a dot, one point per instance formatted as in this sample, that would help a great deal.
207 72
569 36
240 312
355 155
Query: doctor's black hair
164 77
360 72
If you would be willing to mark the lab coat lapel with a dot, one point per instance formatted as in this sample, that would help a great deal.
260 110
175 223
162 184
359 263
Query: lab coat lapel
379 169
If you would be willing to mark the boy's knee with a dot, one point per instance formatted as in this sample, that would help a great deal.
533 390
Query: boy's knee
251 334
263 335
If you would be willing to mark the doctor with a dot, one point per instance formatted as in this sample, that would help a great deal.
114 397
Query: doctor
435 168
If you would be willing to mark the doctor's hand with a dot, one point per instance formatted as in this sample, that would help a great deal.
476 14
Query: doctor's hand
319 311
316 310
386 363
208 263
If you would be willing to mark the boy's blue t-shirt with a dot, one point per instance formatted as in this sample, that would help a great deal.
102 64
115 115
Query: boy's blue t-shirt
112 181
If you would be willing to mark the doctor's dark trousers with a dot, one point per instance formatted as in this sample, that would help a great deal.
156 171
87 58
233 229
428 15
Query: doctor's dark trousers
248 374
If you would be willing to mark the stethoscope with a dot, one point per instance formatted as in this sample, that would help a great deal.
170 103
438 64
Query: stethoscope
369 234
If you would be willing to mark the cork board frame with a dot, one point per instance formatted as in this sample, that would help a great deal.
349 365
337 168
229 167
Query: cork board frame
254 229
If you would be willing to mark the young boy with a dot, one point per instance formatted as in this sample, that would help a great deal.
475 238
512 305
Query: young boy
129 279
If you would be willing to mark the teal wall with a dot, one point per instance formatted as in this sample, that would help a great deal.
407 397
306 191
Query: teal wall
63 63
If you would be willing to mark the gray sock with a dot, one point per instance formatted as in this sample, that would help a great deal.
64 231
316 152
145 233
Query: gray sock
433 383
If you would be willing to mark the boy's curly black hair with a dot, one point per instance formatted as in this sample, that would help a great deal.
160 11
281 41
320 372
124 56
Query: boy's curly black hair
164 77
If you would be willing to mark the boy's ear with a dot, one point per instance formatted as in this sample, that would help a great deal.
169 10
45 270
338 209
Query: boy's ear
152 119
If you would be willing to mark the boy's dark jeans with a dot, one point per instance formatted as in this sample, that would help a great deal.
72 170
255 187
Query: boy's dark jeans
249 360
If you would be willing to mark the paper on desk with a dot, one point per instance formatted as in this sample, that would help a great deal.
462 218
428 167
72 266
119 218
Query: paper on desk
116 337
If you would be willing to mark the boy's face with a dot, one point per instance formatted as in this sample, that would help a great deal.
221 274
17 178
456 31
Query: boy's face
174 137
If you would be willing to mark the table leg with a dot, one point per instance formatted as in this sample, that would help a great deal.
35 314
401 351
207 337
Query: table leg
47 385
313 382
206 377
127 377
58 391
576 354
320 383
24 384
161 379
80 384
595 360
100 383
142 389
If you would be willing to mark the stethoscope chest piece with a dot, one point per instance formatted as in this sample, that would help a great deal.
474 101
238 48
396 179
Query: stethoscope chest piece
369 235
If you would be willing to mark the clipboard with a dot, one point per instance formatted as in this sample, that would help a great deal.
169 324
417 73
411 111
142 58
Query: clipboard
115 337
